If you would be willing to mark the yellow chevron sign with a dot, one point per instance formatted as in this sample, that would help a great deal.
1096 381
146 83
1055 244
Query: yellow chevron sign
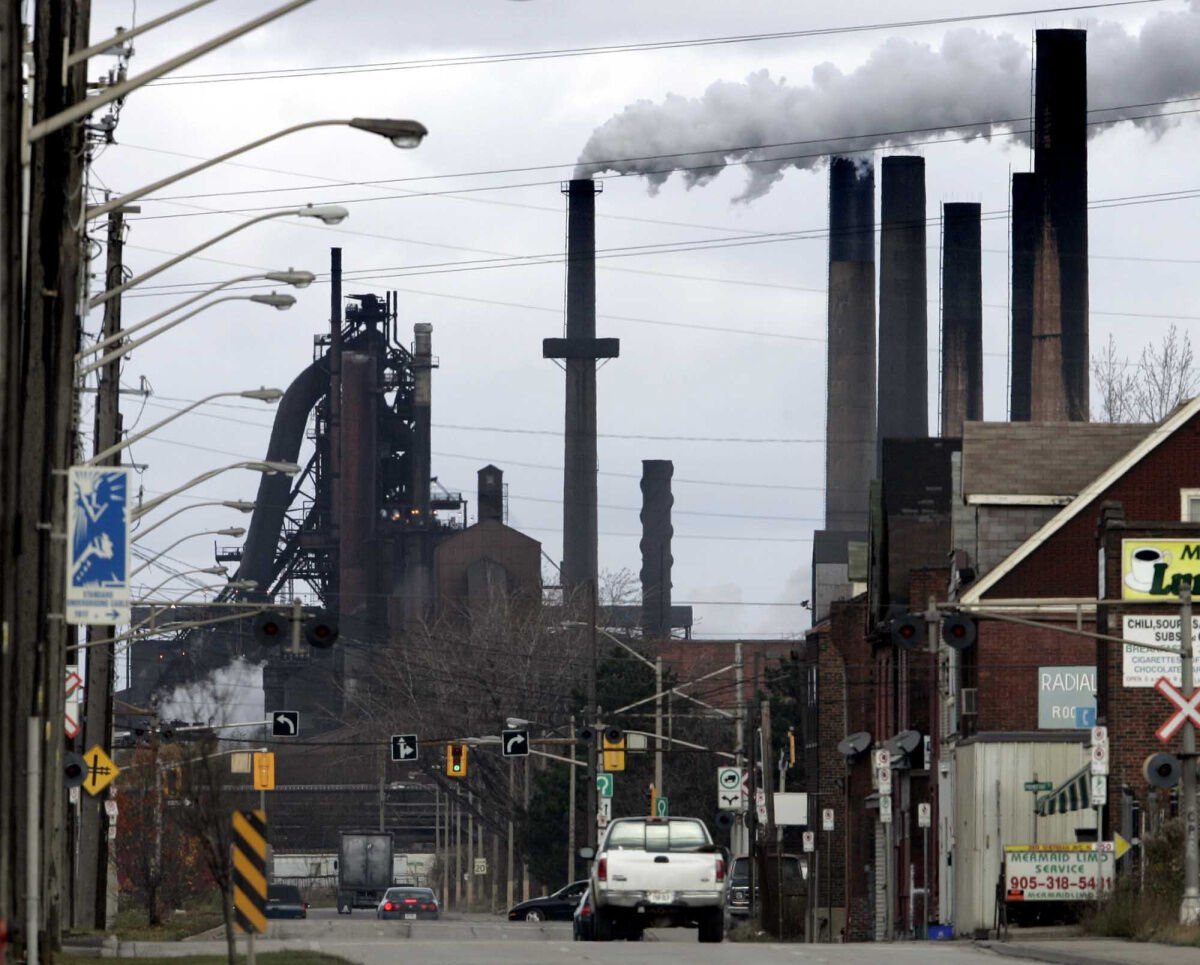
250 870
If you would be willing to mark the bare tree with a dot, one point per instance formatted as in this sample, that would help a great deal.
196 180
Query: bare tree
1147 390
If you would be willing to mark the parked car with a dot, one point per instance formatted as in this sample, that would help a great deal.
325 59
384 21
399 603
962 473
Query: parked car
559 906
284 901
409 903
737 904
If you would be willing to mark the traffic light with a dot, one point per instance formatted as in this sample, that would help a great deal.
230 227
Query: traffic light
74 769
958 631
908 631
614 749
271 628
321 630
456 760
1162 769
173 782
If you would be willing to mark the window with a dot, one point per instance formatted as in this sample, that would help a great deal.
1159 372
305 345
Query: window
1190 505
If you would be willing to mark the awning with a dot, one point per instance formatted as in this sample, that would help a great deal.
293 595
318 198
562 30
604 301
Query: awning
1074 794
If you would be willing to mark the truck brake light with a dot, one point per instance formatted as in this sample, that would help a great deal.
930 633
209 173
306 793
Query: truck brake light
602 869
720 869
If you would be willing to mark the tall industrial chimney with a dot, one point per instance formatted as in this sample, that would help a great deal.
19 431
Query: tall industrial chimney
903 322
422 414
850 393
1060 304
962 318
656 547
1026 220
580 349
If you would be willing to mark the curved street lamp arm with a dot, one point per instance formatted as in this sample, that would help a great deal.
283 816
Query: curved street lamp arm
100 456
117 91
170 263
163 552
122 35
99 210
129 346
104 343
247 507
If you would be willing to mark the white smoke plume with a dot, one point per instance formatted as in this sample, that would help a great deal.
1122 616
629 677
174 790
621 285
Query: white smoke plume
232 694
976 85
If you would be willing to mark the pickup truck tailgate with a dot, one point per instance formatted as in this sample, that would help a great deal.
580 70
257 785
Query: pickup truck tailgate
635 870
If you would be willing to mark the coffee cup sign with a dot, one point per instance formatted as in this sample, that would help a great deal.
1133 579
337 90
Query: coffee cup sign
1156 569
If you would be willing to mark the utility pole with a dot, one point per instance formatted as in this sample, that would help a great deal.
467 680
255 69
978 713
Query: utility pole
508 868
592 725
1189 908
457 850
739 828
470 851
658 725
91 898
769 847
525 863
571 807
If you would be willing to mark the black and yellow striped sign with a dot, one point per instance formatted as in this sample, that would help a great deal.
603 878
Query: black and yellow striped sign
250 870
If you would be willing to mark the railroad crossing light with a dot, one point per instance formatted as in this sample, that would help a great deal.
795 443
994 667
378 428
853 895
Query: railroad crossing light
907 631
1162 769
74 769
321 630
271 629
456 760
958 631
614 749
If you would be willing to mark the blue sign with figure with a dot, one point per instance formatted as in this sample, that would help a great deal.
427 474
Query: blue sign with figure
98 511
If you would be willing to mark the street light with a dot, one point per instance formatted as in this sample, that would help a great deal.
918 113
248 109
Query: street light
402 133
235 532
330 214
205 570
264 395
280 302
284 468
241 505
171 604
297 279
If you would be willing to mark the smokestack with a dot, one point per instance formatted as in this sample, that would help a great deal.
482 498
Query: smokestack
490 494
1060 304
656 547
580 349
850 392
1026 219
903 363
422 415
962 318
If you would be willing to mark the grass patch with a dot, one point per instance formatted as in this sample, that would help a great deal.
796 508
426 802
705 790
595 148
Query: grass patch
132 925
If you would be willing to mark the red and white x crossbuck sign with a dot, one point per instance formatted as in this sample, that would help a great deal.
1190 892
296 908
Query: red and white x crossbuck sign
1189 709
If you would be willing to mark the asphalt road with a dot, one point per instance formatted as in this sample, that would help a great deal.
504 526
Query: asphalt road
488 940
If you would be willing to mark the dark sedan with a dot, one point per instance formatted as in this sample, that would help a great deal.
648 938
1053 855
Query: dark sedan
559 906
284 901
409 903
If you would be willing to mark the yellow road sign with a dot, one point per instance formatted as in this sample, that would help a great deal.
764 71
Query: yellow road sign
250 870
100 770
264 771
1121 845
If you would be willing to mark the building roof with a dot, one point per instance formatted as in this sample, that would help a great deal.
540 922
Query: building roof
1153 437
1007 458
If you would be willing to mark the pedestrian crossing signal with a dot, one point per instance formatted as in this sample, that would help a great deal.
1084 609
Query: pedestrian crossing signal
456 760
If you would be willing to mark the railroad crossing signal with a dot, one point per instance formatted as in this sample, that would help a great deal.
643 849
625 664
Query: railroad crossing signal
250 871
1187 709
101 771
456 760
405 747
514 743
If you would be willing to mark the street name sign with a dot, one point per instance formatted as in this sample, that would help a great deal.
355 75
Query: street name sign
1039 786
98 545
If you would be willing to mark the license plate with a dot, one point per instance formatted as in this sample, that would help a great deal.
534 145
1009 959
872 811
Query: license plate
661 897
411 915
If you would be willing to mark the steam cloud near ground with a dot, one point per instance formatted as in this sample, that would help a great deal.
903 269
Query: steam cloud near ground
903 87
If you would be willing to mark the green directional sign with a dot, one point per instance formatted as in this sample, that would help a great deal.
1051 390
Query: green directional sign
1039 786
662 807
604 783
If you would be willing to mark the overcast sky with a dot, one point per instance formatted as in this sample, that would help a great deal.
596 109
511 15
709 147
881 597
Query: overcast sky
716 290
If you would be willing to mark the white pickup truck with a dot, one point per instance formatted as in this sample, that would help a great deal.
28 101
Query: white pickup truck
655 872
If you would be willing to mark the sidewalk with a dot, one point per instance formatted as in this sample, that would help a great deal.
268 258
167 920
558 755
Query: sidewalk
1095 951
